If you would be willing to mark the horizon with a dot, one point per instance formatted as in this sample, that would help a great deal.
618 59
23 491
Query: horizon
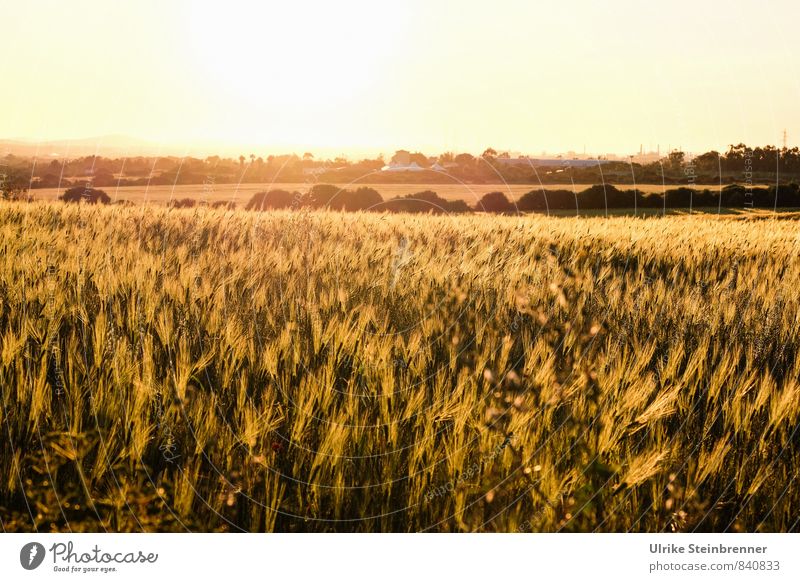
358 80
134 146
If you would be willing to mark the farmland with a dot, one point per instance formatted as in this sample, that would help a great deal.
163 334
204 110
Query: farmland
210 370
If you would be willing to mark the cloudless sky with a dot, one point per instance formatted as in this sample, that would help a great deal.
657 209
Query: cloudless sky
366 77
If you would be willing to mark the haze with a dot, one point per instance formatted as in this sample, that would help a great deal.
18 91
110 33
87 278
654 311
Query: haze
358 77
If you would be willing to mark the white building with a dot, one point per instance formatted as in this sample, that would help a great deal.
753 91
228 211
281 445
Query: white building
395 167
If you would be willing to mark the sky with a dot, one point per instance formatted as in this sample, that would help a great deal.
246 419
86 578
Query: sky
361 78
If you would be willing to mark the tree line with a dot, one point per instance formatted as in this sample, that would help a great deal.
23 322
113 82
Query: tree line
739 163
597 197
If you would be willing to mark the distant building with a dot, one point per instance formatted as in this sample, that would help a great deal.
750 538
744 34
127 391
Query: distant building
395 167
551 162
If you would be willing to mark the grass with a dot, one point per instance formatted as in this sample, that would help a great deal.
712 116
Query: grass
209 370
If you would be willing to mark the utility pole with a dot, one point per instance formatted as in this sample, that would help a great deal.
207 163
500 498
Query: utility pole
784 139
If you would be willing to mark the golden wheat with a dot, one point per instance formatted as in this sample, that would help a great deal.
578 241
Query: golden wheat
166 370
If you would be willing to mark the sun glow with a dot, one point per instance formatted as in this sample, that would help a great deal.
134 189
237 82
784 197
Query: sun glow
297 55
355 76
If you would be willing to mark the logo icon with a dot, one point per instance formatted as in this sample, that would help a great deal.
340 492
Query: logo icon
31 555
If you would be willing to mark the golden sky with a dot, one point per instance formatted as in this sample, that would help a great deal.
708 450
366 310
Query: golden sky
367 77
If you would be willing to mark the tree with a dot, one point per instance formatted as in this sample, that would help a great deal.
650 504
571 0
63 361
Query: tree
182 203
676 158
543 200
785 194
427 201
464 159
457 207
85 194
604 196
419 158
241 161
13 186
308 156
494 202
272 199
104 178
737 151
489 153
361 199
732 196
401 158
707 162
322 195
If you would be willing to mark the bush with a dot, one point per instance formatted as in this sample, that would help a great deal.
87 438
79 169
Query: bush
689 197
85 194
325 196
426 201
679 198
535 200
705 198
601 196
733 196
457 207
273 199
546 200
182 203
494 202
361 199
762 197
785 194
651 200
14 186
227 205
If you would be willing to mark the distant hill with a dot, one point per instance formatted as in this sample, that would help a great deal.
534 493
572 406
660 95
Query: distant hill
106 145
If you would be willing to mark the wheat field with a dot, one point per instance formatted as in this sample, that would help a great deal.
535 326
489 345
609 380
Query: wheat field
210 370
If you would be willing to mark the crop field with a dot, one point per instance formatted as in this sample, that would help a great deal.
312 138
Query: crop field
241 193
209 370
